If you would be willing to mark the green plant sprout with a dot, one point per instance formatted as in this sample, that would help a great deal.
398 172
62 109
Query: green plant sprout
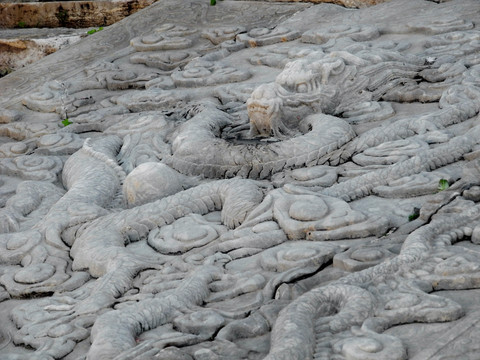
21 24
66 122
93 31
5 71
213 2
443 185
415 214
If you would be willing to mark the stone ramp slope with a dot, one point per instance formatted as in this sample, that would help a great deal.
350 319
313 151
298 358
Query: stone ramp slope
251 180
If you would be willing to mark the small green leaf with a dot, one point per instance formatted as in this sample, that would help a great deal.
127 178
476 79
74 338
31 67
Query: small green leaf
443 185
415 214
93 31
66 122
213 2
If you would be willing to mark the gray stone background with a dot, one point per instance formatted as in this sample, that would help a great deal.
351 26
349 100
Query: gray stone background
251 180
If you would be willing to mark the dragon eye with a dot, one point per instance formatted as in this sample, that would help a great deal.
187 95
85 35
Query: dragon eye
302 88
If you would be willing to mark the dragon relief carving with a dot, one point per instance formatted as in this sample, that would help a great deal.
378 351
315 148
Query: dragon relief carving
200 206
330 83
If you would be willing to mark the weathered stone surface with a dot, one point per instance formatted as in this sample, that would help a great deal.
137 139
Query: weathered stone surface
347 3
77 14
240 181
22 47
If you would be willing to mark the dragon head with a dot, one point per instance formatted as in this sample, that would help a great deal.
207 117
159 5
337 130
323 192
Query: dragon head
312 84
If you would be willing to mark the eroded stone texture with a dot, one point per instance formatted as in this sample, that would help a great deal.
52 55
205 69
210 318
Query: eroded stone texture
240 181
67 14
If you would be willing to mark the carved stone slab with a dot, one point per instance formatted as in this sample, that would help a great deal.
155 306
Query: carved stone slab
251 180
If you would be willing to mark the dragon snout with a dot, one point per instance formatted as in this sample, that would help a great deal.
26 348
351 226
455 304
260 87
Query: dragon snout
263 107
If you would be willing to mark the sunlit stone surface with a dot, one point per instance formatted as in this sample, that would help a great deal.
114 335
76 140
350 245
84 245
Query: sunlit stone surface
250 180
